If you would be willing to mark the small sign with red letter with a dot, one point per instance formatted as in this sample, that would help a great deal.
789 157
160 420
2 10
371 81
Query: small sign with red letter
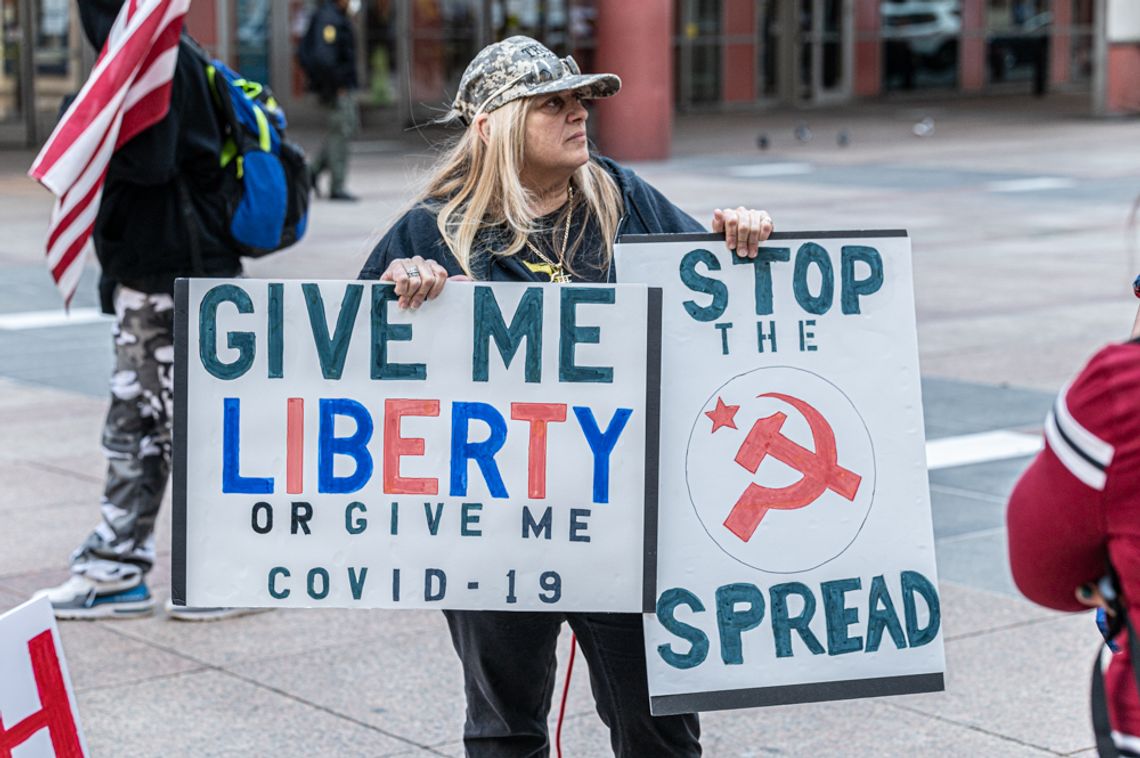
38 716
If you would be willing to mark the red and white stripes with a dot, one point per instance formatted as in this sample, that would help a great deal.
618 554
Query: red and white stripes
127 92
1084 454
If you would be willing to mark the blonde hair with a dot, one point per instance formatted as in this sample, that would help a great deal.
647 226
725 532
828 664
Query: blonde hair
475 186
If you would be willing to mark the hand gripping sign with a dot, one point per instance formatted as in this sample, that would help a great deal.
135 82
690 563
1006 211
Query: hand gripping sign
38 716
494 449
795 549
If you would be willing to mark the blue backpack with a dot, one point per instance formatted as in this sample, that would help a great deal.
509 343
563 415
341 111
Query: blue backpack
267 180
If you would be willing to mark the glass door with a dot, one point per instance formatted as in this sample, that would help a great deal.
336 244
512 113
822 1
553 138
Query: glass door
699 52
444 39
768 64
15 76
42 60
823 50
1017 44
920 43
731 53
253 37
551 22
1081 35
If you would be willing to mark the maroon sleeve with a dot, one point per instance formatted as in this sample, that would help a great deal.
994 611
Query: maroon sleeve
1057 518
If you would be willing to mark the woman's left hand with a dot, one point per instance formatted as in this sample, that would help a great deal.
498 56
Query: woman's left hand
744 229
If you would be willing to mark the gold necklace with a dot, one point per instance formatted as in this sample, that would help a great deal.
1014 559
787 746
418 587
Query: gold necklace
555 269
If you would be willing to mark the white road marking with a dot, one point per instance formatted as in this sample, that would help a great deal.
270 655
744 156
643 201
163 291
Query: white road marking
15 322
760 170
997 531
968 449
1036 184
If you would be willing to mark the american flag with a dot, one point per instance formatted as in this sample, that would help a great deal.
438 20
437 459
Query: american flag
128 91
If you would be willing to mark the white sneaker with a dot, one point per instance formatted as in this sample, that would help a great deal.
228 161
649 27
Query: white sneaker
81 597
186 613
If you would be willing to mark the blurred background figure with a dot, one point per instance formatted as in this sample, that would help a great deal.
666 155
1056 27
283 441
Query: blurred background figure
327 54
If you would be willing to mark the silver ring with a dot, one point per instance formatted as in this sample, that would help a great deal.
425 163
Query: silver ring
412 271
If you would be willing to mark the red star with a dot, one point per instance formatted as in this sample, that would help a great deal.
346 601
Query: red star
723 415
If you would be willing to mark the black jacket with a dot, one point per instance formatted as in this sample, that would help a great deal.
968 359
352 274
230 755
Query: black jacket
646 211
328 52
144 233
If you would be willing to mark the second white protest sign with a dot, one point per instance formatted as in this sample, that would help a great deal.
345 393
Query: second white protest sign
795 551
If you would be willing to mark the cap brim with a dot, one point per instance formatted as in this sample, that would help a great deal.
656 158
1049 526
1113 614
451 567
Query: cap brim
591 86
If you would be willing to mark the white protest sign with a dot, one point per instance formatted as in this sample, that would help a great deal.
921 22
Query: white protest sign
795 548
38 716
487 451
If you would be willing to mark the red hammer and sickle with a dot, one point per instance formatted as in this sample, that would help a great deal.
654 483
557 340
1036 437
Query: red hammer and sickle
820 469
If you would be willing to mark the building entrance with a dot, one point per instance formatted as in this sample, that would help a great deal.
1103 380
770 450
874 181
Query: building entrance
823 51
42 58
740 53
432 41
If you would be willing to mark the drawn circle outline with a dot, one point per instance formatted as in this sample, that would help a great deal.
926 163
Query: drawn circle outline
874 471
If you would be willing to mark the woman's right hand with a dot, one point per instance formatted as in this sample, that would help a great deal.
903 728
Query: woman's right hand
416 280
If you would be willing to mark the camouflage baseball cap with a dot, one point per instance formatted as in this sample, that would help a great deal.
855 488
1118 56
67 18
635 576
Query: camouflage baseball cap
521 67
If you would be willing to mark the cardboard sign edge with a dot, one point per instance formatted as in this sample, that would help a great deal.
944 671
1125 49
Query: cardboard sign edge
814 692
653 350
178 495
626 239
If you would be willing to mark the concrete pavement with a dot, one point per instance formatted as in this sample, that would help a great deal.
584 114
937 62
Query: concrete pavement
1017 212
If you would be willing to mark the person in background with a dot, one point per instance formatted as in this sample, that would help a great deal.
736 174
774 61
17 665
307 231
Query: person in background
1074 516
327 54
519 197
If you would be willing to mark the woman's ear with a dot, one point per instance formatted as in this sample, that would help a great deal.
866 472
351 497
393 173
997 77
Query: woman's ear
482 125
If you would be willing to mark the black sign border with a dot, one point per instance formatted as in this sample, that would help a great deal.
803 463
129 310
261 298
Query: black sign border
652 449
627 239
815 692
178 496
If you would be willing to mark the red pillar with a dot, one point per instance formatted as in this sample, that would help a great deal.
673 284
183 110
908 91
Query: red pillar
740 58
202 24
1123 95
972 48
635 41
1061 44
868 50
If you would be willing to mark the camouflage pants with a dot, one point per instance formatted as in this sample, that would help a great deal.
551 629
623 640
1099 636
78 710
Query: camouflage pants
136 439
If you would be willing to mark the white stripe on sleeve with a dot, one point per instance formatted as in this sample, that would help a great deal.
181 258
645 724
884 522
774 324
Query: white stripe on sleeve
1091 445
1077 465
1126 742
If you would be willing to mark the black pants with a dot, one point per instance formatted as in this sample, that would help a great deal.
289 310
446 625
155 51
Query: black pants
508 676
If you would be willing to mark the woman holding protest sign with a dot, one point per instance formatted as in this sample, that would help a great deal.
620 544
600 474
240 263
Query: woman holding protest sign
519 197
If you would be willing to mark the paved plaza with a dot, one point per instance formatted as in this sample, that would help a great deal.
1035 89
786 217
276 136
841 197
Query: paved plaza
1018 215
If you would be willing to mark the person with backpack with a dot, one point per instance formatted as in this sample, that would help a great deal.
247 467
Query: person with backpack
327 55
162 216
519 197
1074 526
